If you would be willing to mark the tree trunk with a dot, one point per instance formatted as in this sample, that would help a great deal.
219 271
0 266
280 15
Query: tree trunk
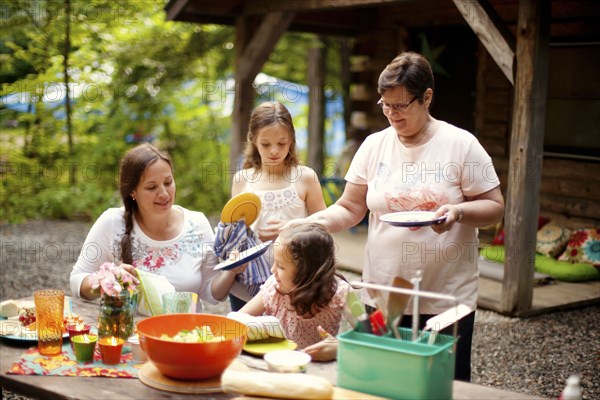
72 177
316 107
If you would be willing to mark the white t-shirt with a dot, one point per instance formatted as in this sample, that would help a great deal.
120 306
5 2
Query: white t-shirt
450 166
187 260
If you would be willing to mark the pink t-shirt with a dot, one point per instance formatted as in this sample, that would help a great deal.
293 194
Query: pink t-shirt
301 330
446 169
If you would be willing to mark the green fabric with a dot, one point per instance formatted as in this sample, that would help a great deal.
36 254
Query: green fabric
563 271
152 288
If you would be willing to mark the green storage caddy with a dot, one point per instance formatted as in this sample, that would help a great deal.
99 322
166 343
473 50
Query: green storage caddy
398 369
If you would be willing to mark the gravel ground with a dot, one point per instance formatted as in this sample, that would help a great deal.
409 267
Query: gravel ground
533 356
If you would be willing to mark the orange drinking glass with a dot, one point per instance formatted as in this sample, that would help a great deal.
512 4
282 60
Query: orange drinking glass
49 308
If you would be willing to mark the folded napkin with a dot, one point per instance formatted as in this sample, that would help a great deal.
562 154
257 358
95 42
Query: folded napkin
236 236
259 328
151 288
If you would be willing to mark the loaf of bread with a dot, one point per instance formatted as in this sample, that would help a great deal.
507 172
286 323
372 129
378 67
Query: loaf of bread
9 308
276 385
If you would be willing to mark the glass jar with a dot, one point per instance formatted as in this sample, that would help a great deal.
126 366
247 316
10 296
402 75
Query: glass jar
116 315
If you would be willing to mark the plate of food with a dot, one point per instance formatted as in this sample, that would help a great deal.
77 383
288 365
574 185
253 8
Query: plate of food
237 259
18 322
244 206
13 329
264 346
412 218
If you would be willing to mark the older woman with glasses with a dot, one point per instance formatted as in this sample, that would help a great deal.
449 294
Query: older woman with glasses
420 163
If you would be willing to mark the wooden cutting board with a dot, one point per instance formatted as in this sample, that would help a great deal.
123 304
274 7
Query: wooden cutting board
151 376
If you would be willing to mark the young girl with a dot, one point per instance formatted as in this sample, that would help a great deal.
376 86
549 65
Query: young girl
304 292
271 170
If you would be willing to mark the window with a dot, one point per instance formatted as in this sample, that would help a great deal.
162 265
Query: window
573 107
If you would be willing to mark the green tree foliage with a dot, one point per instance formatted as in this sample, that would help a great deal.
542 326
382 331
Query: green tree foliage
134 76
132 72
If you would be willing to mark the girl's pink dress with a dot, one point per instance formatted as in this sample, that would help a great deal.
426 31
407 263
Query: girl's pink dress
301 330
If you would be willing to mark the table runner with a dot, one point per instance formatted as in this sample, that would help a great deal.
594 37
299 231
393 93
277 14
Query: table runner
65 364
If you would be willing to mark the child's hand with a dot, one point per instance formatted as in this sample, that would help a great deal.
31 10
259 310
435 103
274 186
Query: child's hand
259 328
325 350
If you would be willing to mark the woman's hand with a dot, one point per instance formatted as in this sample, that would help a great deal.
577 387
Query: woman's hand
222 283
477 211
130 269
453 213
326 349
238 270
232 256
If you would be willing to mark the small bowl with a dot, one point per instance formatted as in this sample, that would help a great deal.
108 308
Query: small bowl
287 361
191 361
136 349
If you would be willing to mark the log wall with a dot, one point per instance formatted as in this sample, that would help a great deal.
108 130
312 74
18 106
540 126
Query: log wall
569 188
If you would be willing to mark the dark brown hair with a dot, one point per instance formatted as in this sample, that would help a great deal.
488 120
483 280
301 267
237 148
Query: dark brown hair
410 70
133 165
265 115
312 250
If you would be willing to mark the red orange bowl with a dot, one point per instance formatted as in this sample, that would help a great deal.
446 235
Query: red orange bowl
191 361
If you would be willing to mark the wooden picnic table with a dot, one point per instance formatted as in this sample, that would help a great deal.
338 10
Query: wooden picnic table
62 387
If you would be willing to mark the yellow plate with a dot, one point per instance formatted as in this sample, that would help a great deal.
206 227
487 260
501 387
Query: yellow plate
262 347
243 206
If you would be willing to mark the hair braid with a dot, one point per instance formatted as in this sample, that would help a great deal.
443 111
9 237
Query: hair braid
126 253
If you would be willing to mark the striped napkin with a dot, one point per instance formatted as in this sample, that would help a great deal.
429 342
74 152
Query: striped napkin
236 236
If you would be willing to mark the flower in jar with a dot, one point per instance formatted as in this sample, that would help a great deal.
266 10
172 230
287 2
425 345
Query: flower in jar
112 279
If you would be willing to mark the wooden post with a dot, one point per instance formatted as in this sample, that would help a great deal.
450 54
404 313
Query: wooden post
491 31
244 93
255 39
68 112
346 80
316 106
526 151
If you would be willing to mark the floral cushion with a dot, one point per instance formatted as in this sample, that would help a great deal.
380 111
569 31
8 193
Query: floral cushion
583 246
552 239
499 239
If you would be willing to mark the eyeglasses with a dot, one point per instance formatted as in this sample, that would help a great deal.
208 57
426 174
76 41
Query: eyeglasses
399 107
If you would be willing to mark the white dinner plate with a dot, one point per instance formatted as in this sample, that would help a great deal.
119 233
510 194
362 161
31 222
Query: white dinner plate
412 218
13 329
244 256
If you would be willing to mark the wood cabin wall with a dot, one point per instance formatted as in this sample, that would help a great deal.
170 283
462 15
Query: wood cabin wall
570 188
369 57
